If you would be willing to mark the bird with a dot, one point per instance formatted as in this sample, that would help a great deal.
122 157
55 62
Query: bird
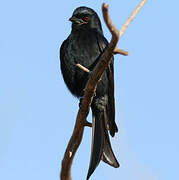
85 45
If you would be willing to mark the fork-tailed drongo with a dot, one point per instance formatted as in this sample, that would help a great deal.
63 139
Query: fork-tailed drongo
84 45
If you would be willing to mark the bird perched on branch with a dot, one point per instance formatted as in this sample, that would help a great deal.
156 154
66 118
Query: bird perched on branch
84 46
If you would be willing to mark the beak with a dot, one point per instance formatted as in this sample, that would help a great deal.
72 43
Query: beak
77 21
73 19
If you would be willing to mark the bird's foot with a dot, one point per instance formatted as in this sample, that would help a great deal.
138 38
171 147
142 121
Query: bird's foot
101 103
80 103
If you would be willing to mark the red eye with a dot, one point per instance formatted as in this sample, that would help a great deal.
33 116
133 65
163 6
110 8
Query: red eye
86 18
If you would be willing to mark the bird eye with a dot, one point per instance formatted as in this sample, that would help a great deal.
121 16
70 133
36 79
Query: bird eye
86 18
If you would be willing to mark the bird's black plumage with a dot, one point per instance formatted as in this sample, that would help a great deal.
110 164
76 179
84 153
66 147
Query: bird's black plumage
85 45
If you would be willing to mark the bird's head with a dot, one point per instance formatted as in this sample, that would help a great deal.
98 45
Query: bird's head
84 18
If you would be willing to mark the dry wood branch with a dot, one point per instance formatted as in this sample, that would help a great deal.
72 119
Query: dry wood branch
83 68
131 17
88 96
88 124
120 51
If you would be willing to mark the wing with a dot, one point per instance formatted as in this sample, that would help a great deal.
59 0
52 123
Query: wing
64 64
103 43
68 66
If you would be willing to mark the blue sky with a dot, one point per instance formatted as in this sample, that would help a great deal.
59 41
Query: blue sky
37 112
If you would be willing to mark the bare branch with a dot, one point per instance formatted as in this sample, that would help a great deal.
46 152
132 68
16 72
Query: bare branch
131 17
90 89
83 68
88 124
120 51
114 31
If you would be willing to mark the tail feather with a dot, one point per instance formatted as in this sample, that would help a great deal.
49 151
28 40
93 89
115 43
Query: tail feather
97 143
101 146
108 155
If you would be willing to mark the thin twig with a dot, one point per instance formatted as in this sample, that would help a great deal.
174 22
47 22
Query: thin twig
120 51
131 17
83 68
88 124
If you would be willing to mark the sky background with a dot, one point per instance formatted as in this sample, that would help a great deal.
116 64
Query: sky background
37 112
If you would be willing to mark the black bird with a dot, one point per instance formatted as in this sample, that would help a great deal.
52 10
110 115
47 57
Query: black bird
85 45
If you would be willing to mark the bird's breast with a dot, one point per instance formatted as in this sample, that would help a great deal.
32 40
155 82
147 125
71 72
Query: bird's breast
82 48
86 49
